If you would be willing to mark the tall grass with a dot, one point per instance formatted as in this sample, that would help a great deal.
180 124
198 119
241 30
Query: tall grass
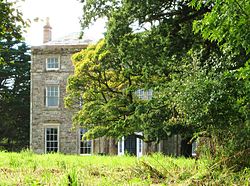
26 168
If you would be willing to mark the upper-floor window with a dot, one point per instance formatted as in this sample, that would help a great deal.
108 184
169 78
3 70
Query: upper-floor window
52 96
52 63
144 94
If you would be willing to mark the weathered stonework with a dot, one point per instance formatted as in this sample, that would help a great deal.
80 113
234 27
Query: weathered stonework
41 115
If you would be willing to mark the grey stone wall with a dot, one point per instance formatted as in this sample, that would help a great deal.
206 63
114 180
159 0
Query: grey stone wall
170 146
42 116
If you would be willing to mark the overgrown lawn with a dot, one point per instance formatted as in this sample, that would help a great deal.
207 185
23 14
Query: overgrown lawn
27 168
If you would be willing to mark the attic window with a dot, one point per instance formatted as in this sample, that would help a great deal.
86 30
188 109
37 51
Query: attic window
52 63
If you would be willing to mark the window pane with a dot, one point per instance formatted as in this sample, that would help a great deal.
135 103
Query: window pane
51 139
52 101
144 94
140 145
52 63
52 96
120 146
55 144
54 130
56 64
85 145
48 131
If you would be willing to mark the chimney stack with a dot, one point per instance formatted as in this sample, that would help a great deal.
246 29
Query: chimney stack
47 32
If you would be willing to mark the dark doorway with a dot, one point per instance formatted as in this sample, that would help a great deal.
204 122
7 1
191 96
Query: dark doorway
186 148
130 145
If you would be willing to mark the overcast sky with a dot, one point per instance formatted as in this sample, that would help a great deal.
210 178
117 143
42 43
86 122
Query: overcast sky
64 18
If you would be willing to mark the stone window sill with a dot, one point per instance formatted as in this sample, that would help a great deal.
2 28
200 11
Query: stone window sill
52 108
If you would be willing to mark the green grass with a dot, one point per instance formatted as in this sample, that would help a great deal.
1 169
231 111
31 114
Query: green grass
26 168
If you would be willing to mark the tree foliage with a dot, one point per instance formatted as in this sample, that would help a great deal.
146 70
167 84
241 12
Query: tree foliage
11 21
144 59
14 80
228 25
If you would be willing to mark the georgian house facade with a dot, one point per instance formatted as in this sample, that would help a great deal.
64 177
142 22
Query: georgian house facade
51 127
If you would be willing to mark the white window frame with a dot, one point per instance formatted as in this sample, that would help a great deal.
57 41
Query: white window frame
46 126
140 93
54 58
139 146
144 94
80 140
149 94
81 102
194 148
46 96
121 147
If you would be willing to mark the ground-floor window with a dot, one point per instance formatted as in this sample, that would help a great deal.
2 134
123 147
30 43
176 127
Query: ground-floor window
131 145
139 147
121 146
85 145
51 139
194 148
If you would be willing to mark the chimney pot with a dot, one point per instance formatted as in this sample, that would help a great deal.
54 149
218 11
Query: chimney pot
47 32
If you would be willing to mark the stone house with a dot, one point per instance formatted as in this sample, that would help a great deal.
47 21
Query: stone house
50 122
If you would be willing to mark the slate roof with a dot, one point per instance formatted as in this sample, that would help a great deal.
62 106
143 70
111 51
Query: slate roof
71 39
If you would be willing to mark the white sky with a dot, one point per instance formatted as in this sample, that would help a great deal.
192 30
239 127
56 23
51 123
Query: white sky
64 19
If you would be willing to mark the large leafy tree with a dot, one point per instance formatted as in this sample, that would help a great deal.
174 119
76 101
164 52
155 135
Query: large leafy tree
110 105
190 53
148 45
145 59
14 79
